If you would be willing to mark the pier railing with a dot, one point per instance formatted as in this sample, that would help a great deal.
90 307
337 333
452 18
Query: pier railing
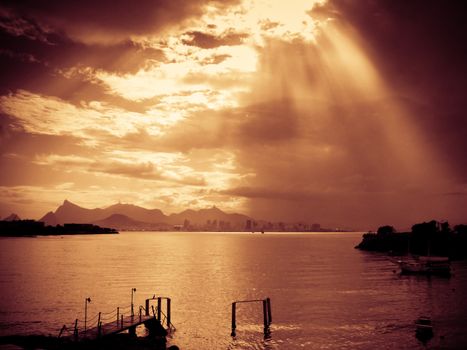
118 320
164 318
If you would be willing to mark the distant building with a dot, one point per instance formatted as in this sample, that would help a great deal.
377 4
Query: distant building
316 227
224 225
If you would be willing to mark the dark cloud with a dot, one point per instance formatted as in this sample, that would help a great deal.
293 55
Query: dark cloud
139 170
142 170
18 26
111 20
19 151
420 48
215 59
57 51
421 43
44 80
41 48
52 64
270 193
15 140
210 41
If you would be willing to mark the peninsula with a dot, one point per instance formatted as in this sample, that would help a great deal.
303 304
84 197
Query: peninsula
427 238
28 228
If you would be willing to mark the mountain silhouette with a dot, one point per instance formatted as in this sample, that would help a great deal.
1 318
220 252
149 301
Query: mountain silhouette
132 217
136 213
125 223
71 213
50 219
12 217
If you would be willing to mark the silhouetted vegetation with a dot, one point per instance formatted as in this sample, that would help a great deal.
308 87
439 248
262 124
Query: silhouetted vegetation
38 228
117 342
427 238
385 230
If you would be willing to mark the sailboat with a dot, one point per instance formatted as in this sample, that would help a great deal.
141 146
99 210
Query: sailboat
425 265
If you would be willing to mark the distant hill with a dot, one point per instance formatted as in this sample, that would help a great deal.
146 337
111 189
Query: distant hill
136 213
12 217
123 222
201 216
117 220
50 219
132 217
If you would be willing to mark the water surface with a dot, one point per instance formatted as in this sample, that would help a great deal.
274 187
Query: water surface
324 293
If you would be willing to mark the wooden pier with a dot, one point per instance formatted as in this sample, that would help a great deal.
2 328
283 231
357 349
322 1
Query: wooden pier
120 320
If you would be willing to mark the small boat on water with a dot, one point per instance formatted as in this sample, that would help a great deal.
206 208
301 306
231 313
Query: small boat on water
424 329
426 265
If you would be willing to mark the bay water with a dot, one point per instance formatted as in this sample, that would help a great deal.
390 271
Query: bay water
324 293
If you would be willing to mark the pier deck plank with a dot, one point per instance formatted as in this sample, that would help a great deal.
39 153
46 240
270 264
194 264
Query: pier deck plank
113 327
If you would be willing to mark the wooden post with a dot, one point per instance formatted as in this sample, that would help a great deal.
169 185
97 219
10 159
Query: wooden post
153 312
118 314
121 322
147 307
140 314
133 290
265 318
159 308
75 332
234 325
268 301
61 330
99 325
168 313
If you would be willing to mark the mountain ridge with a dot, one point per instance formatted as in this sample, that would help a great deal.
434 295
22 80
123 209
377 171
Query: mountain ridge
12 217
130 216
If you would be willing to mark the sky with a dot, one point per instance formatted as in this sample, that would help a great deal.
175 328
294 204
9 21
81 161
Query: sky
345 113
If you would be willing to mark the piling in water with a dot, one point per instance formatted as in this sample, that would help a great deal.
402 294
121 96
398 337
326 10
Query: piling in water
267 318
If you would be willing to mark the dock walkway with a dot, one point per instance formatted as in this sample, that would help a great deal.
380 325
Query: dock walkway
114 322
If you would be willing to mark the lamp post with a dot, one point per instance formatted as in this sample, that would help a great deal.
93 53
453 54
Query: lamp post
86 301
133 290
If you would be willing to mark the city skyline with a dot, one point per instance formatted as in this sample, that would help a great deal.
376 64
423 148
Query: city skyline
344 113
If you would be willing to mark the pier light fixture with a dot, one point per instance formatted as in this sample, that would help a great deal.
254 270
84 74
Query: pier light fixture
86 301
133 291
